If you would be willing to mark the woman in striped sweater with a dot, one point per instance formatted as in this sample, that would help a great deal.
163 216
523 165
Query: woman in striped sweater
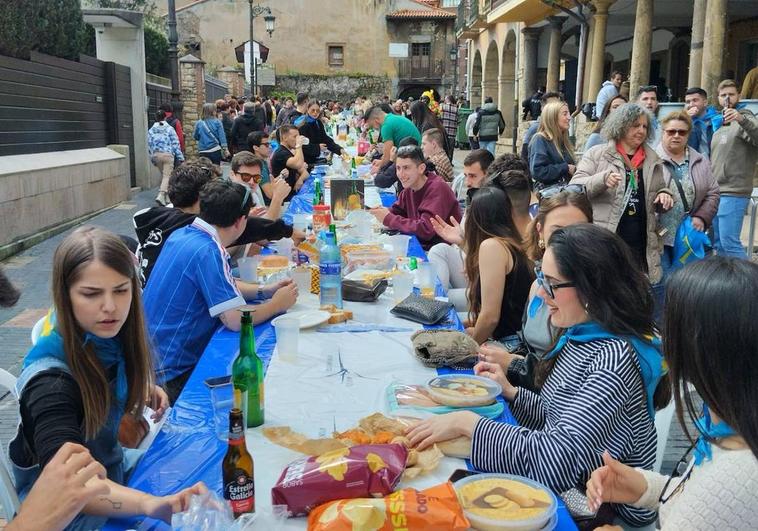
601 379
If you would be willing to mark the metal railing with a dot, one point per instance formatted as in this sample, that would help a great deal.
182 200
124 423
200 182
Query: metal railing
473 13
215 89
462 17
157 80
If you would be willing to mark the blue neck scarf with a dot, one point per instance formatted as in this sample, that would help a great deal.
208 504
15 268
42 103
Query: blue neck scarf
709 431
717 120
648 353
108 351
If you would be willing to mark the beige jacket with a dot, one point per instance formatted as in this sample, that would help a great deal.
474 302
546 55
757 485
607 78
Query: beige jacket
607 206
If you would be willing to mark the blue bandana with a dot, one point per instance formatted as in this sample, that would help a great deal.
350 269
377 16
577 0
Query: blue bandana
108 351
717 120
709 431
648 353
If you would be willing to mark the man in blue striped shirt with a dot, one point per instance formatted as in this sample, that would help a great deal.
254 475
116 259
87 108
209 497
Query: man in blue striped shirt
191 289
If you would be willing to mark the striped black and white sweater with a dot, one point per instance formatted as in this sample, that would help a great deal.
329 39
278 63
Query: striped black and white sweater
592 401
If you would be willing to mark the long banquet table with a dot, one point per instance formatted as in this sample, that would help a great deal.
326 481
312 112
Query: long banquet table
338 378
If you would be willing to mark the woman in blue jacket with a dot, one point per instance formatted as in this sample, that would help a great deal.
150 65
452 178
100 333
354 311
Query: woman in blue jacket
209 133
551 155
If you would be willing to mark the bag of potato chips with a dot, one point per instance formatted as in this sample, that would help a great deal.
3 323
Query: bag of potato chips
354 472
407 509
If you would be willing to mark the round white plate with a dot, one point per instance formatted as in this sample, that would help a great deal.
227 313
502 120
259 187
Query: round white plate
308 318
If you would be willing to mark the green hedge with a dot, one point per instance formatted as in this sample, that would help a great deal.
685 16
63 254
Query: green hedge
53 27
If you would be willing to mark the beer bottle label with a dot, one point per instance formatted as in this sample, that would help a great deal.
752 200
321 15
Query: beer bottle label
240 492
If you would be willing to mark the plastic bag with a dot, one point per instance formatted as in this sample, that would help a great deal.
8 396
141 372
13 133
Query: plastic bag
208 512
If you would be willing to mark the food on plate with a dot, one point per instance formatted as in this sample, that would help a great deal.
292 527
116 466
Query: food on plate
273 260
458 447
336 314
493 501
359 471
463 390
409 509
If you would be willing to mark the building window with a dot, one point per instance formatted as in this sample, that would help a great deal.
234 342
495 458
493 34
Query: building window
336 55
421 54
450 3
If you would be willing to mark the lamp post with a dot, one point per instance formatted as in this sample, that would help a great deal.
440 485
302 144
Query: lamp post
256 11
173 66
454 60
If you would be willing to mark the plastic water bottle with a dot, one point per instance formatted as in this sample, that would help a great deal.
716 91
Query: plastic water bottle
330 270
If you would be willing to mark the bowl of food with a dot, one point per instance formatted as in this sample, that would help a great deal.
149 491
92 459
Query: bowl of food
463 390
497 502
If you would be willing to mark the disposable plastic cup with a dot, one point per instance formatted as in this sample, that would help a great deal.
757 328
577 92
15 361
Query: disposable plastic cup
302 277
224 398
402 285
248 268
300 222
284 247
399 244
426 278
287 338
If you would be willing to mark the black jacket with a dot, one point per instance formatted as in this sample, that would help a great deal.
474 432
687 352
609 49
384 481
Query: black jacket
546 165
153 227
243 125
316 133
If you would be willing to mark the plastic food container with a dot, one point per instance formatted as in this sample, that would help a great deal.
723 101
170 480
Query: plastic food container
498 489
463 390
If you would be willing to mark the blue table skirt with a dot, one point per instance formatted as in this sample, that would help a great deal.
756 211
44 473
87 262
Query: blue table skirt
187 449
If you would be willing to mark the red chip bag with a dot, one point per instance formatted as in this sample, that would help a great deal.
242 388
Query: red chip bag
407 509
370 470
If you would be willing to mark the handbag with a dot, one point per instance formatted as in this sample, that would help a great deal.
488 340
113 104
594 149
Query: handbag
690 244
445 348
422 310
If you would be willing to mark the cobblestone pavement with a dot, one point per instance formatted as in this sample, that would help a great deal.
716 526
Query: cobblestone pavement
30 271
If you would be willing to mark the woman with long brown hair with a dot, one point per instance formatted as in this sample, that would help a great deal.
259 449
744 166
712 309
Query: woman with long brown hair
91 365
498 271
551 155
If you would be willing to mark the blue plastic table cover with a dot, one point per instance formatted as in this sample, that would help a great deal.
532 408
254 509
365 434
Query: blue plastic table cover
187 450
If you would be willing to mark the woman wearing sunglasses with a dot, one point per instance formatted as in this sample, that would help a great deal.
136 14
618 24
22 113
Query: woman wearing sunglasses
559 206
602 378
710 342
625 184
688 174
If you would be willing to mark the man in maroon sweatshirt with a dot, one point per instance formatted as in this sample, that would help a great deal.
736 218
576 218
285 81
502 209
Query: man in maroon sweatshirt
424 196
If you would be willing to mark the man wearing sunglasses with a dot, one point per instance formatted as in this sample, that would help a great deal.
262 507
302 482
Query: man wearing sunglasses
247 169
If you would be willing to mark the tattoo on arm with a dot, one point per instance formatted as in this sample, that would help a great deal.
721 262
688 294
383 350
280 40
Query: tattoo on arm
115 504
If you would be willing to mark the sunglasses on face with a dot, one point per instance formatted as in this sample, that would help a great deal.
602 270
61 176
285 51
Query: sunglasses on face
551 191
547 285
676 132
256 177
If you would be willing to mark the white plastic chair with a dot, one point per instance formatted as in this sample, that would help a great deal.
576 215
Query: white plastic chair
663 420
8 495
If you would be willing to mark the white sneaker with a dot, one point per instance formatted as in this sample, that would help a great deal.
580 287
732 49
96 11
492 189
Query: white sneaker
162 198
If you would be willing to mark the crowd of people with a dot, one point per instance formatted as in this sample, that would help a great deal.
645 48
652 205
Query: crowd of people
558 260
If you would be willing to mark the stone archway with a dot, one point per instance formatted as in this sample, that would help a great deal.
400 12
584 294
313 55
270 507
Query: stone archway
491 73
507 83
475 91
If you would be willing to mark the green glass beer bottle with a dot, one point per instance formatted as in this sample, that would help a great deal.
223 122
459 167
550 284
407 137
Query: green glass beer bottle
317 193
247 373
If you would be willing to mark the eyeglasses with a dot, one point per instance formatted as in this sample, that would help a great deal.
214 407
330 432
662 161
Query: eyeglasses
546 285
256 177
680 474
551 191
676 132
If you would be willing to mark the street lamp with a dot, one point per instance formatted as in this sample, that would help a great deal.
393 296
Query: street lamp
256 11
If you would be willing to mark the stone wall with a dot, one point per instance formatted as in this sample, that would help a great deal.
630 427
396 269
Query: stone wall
41 191
192 83
341 87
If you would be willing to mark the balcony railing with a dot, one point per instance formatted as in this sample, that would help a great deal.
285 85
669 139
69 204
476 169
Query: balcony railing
462 17
419 68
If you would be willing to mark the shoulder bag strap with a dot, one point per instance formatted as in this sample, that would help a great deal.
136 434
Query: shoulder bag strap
675 178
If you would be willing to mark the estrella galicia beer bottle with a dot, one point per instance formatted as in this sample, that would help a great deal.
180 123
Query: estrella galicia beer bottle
238 469
247 374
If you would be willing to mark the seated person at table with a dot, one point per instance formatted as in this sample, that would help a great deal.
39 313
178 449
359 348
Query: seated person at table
559 206
247 169
289 156
153 226
721 490
508 174
311 126
386 175
432 146
259 144
191 290
393 129
448 257
498 271
424 196
90 366
603 379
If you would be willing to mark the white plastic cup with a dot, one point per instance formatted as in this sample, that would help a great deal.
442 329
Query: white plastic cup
301 275
248 268
399 244
287 336
284 247
402 285
223 399
300 222
426 278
